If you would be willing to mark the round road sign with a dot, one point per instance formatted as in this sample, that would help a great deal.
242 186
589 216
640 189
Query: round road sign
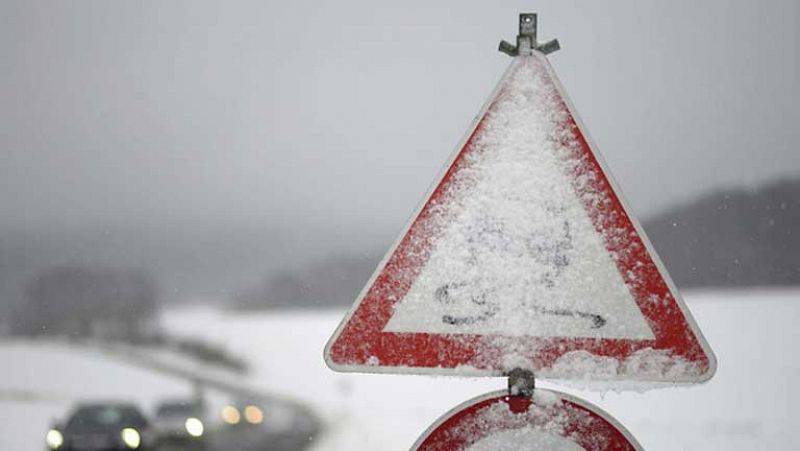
549 420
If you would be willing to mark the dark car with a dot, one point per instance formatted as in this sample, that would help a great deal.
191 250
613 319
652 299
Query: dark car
180 424
101 427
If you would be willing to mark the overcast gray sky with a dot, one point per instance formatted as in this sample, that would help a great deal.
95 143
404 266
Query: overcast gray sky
342 112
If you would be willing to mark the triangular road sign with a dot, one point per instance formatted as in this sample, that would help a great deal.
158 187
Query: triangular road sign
523 255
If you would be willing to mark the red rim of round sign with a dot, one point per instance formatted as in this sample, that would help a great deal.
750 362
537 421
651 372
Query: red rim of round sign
464 425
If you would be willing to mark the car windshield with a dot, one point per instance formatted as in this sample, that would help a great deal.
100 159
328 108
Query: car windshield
104 417
176 410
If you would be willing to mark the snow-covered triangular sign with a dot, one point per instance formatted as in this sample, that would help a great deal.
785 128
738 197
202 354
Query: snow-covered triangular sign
523 255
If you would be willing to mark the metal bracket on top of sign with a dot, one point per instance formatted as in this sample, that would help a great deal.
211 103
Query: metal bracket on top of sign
526 39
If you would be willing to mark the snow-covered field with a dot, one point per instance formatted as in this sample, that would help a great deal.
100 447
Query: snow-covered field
748 405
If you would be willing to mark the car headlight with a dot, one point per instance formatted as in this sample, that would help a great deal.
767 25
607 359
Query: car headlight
54 439
231 415
253 414
194 427
131 437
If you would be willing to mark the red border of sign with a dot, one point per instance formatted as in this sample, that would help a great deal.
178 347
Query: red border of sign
359 344
440 437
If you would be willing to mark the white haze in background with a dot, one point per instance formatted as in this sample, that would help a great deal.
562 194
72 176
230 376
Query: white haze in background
339 114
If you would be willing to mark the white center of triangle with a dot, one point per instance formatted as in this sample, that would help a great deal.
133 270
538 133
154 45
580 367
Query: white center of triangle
515 252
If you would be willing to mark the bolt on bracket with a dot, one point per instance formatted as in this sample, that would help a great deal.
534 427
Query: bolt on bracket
526 39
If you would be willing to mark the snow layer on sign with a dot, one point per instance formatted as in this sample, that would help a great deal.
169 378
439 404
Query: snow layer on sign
509 424
640 371
549 422
525 439
514 252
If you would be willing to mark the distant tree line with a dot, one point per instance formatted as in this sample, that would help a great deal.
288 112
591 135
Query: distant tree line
332 281
81 302
116 305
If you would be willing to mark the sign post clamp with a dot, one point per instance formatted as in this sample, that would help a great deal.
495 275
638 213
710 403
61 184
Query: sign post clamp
526 39
521 382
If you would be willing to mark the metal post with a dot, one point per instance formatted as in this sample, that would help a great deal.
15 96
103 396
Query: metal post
521 382
526 39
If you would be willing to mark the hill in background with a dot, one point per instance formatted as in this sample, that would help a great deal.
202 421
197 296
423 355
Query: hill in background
733 238
332 281
729 238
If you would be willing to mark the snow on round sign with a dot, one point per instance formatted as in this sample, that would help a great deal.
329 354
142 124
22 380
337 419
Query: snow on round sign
548 420
523 254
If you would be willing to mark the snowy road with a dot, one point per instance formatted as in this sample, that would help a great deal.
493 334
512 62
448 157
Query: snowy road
748 405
